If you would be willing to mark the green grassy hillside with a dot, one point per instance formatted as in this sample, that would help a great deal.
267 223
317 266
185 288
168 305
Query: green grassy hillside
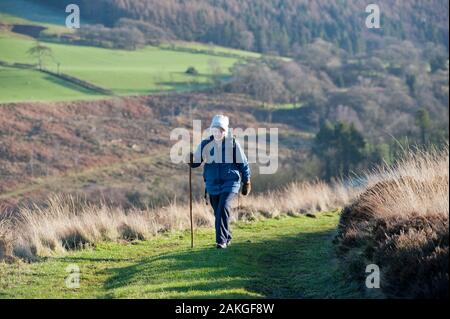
138 72
145 71
37 86
290 257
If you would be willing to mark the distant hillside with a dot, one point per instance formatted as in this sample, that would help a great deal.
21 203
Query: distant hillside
279 26
139 72
118 149
390 84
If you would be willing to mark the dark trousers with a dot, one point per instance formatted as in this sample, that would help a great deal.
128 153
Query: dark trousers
222 211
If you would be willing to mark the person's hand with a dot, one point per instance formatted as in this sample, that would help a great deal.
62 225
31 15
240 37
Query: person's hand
246 188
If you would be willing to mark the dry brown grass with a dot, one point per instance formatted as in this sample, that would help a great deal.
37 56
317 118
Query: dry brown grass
401 223
297 198
6 240
67 222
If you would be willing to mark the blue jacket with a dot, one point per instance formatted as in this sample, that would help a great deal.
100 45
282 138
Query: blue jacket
222 173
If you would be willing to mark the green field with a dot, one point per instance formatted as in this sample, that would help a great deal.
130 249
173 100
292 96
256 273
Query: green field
141 72
21 84
138 72
290 257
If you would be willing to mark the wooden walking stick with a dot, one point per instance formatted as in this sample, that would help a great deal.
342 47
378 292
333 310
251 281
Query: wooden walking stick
190 204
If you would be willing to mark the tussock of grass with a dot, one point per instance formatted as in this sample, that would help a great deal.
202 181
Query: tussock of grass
401 223
68 223
297 198
6 240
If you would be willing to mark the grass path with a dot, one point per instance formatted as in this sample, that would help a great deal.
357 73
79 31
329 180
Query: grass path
288 257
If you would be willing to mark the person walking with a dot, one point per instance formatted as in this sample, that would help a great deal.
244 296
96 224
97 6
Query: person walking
225 168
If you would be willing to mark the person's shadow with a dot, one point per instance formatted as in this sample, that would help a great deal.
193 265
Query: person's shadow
300 266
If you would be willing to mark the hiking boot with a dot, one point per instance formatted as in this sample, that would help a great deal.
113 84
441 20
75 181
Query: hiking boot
221 246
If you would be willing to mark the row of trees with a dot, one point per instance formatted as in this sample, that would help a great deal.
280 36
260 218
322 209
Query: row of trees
128 38
277 81
380 93
126 34
341 149
276 26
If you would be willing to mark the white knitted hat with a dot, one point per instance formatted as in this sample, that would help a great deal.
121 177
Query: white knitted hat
221 121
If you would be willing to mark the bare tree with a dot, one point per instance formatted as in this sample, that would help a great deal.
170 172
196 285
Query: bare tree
40 52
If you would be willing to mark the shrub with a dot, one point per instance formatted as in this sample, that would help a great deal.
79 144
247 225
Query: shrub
401 223
191 71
